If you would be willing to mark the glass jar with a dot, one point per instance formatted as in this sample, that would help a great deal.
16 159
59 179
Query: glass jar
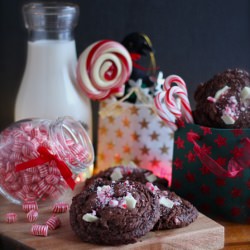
42 158
48 88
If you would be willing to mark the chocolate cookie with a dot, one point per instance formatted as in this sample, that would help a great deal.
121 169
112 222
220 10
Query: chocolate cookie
115 213
128 173
175 211
224 101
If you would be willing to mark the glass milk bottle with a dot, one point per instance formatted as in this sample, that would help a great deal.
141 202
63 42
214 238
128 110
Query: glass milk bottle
48 88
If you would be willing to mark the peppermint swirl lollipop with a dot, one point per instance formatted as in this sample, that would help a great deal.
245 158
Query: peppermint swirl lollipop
103 68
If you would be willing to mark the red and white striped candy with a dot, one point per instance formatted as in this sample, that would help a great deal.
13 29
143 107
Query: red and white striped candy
172 103
163 111
11 217
29 205
103 68
60 207
39 230
32 215
53 222
179 106
174 79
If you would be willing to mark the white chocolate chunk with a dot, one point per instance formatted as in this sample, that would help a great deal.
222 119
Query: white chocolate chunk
227 119
132 164
130 201
89 217
221 92
166 202
116 174
151 178
245 94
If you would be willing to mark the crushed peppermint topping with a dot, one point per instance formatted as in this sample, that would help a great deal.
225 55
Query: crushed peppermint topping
113 203
231 112
152 187
105 195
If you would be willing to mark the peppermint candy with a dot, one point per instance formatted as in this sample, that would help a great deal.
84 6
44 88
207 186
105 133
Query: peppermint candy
60 207
39 230
103 68
53 222
20 144
11 217
32 215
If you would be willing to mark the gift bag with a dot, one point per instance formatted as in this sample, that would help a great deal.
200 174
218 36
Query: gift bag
211 168
130 132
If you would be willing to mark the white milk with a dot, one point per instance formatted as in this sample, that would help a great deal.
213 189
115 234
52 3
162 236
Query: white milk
48 87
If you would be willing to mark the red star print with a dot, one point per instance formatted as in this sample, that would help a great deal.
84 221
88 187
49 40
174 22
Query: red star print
220 141
235 211
206 130
221 161
206 149
178 163
190 156
220 201
220 182
190 177
237 132
204 170
237 152
236 192
179 142
205 189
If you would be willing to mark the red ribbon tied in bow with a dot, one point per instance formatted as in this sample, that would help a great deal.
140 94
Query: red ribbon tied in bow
44 157
235 165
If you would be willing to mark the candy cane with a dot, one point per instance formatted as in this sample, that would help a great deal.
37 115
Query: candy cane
174 79
172 103
179 106
163 111
103 68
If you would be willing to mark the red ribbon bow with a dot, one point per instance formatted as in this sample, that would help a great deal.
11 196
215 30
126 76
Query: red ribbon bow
46 156
235 165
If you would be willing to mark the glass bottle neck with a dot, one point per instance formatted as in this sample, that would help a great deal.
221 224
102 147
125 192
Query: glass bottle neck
50 20
36 35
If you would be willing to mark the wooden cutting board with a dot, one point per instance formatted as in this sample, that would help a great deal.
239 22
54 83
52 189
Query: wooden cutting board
204 233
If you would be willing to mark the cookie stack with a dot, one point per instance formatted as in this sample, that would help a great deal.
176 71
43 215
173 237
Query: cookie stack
123 203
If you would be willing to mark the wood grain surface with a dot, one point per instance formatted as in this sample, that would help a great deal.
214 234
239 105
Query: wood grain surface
204 233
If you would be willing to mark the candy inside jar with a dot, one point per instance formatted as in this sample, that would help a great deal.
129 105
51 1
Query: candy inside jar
42 159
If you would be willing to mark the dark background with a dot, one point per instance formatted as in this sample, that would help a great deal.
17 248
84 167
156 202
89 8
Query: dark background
192 38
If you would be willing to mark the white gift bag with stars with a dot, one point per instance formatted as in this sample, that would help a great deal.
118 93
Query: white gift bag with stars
134 133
